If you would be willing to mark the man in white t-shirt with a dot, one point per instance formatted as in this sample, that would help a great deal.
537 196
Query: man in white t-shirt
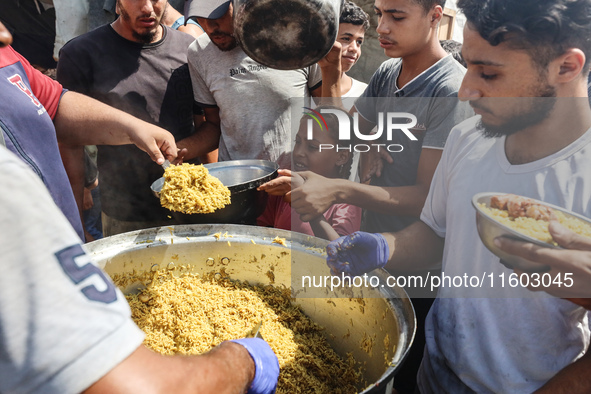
246 104
527 80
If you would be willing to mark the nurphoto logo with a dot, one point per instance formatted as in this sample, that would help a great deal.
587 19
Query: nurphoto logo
387 124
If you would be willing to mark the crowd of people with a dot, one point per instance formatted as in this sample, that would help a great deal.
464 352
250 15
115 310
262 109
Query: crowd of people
503 116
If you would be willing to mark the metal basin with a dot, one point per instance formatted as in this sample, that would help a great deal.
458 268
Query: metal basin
489 229
386 316
242 177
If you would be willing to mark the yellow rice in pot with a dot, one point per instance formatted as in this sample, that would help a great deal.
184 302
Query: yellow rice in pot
190 314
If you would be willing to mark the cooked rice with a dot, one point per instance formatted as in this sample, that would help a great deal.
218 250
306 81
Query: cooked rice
189 188
537 229
191 314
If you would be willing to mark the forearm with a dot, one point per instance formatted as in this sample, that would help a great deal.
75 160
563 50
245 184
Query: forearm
323 229
415 248
82 120
331 82
572 379
401 200
330 66
203 142
228 368
73 160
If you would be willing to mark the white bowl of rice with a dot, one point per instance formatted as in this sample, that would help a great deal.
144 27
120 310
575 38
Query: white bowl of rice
523 219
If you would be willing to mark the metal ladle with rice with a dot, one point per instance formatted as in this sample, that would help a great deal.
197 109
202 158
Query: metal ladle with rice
190 189
242 178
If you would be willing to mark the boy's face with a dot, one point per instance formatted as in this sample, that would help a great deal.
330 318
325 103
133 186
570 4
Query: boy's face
500 71
351 38
404 28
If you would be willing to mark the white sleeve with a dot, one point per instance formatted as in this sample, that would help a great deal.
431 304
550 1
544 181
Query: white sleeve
63 324
434 210
315 76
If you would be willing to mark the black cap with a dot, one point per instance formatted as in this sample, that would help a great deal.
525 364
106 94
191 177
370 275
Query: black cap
209 9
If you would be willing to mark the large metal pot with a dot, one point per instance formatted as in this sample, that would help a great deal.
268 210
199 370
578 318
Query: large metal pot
384 316
242 177
286 34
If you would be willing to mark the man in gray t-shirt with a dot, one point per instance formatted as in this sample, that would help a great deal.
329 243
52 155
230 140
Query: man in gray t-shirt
432 98
421 79
246 104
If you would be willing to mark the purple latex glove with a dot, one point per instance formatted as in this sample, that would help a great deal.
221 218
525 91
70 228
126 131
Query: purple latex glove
357 253
266 365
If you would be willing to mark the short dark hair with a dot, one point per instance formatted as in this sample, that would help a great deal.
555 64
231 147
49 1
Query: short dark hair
428 4
544 28
354 15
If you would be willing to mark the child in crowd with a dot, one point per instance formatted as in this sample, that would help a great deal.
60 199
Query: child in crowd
307 155
353 24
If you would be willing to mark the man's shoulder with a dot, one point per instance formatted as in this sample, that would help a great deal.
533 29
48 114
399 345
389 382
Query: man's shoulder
173 35
204 54
88 39
383 80
201 46
388 67
203 42
446 77
466 134
8 56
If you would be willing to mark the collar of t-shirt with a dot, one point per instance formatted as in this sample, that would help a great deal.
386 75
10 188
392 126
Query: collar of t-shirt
416 84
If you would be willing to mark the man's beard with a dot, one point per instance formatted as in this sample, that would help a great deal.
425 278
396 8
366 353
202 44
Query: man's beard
144 38
226 47
540 106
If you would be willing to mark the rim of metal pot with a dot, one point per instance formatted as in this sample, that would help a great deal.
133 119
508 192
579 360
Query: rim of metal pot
396 297
255 182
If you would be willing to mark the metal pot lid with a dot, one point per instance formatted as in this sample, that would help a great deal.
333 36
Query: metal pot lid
286 34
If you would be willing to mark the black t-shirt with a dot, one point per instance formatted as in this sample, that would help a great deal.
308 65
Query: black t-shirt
151 82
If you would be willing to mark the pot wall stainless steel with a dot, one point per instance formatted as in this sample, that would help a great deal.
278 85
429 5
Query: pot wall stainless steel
385 318
286 34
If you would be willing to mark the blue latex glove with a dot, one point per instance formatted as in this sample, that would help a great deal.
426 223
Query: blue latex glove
357 253
266 365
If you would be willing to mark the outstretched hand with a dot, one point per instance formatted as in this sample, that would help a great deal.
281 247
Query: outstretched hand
279 186
283 184
357 253
156 142
180 157
314 196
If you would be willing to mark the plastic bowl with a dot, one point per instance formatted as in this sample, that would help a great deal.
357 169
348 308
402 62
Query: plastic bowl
242 177
489 229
